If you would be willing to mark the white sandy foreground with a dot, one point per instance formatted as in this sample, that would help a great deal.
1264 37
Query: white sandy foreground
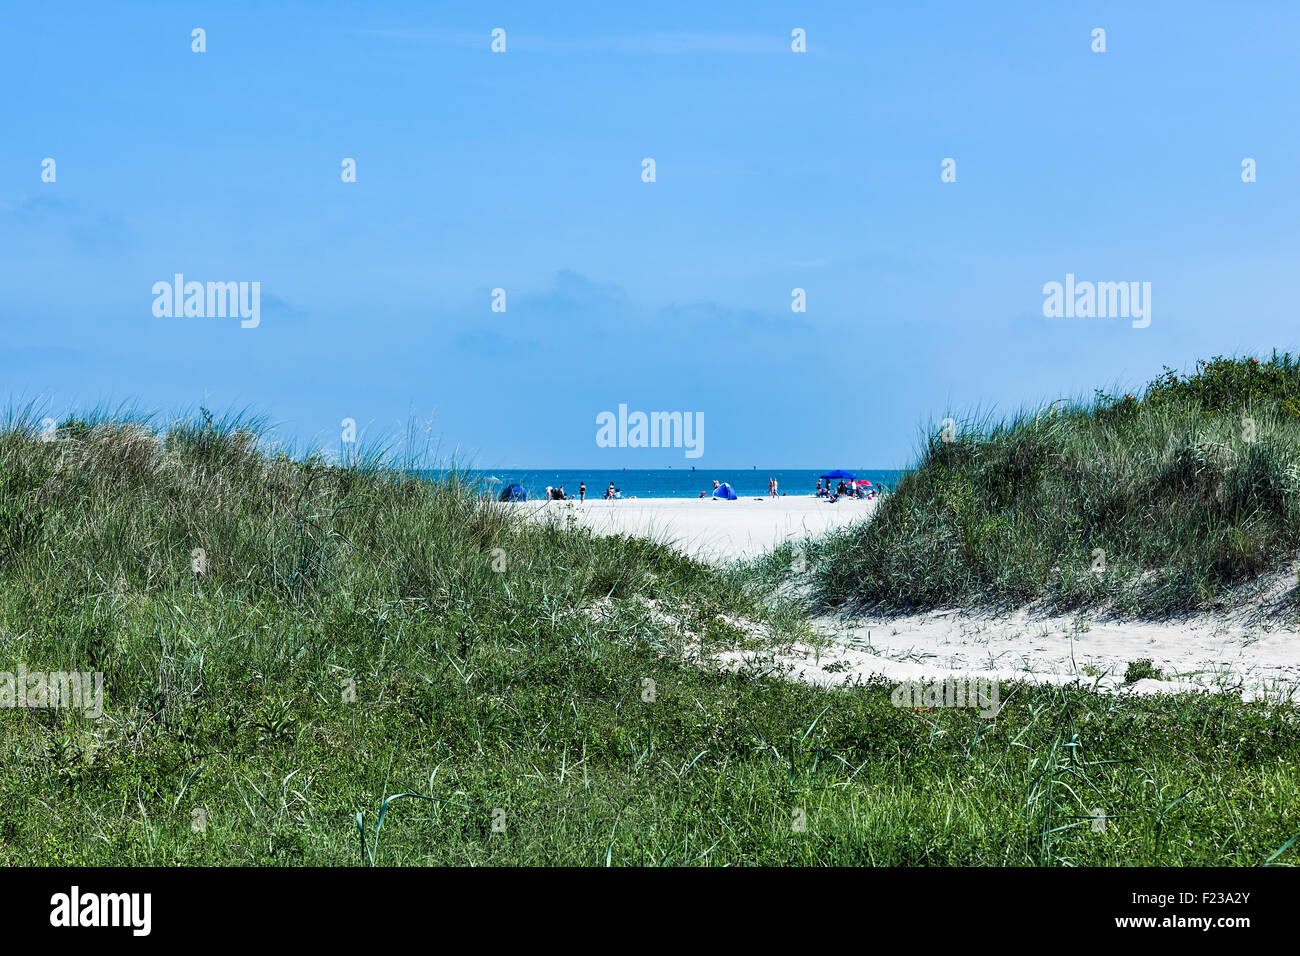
712 529
1222 653
1209 652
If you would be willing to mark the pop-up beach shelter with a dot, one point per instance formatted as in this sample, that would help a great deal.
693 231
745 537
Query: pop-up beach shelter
514 493
724 491
846 475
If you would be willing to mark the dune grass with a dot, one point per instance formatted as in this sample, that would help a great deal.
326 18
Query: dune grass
1177 499
308 663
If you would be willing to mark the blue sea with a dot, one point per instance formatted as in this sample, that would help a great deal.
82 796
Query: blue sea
671 482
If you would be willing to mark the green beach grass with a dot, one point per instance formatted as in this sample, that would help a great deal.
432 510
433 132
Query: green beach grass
1182 498
367 669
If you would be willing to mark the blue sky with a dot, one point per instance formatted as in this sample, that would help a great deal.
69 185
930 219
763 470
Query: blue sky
522 171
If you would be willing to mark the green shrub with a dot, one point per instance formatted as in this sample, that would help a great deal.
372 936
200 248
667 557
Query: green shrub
1144 669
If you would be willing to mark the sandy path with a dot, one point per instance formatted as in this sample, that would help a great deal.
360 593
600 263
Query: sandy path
1209 653
712 529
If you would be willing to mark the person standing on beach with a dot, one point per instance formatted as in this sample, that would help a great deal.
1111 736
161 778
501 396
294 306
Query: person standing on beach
582 491
775 488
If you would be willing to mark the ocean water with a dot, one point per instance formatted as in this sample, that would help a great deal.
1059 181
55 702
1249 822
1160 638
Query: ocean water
670 482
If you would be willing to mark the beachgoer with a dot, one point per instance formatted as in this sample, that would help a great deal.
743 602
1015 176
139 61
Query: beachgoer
582 491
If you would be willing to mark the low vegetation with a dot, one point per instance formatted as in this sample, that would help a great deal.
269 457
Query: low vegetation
1180 498
313 663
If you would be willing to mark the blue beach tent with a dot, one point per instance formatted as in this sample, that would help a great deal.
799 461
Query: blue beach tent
724 491
514 493
844 475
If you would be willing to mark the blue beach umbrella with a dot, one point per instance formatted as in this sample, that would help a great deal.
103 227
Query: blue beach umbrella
514 492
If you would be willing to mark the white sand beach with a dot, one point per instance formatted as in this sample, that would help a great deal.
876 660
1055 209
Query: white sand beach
713 529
